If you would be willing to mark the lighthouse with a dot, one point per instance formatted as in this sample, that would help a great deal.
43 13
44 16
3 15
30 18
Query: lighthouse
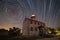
30 26
33 16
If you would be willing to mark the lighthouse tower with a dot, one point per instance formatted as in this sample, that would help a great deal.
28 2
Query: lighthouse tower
33 17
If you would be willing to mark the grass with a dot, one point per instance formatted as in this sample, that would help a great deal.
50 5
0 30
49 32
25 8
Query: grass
22 38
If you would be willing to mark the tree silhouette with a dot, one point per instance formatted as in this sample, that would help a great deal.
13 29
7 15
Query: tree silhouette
53 31
14 31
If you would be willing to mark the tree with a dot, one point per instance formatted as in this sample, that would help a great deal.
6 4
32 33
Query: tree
53 31
58 28
14 31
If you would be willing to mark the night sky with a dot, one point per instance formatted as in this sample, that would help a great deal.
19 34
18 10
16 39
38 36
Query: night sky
12 12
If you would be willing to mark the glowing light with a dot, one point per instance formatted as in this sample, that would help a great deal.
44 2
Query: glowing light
33 15
58 32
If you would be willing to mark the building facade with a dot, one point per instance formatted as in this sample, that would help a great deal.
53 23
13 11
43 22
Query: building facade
30 26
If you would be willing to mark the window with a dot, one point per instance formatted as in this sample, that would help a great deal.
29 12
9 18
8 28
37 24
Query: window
38 23
31 28
35 22
35 28
31 22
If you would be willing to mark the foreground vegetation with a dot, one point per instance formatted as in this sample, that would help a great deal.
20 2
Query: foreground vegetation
22 38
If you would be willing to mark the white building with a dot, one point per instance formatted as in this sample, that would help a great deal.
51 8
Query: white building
30 26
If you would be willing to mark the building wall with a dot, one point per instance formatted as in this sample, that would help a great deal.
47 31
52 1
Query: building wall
28 31
35 30
25 28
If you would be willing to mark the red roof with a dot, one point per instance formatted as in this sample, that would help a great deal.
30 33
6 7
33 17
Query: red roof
33 20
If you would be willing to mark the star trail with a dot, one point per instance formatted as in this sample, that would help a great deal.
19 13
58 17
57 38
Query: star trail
13 12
